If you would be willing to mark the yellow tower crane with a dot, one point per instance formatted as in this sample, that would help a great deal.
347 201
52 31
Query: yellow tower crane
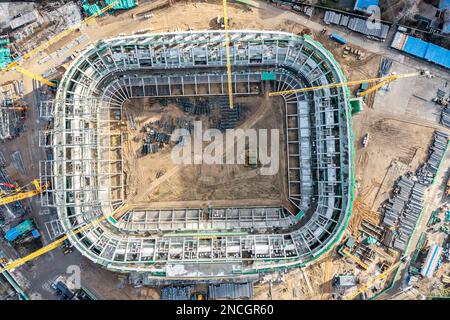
18 193
381 81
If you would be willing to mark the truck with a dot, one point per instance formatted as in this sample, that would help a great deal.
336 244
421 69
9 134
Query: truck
338 38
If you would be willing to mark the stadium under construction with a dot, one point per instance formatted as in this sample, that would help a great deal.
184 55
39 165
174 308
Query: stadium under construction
86 169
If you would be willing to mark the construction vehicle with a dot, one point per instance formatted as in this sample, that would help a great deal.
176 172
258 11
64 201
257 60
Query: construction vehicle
372 282
18 194
381 81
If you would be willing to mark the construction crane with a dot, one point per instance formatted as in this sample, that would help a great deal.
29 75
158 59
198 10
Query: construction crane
381 81
372 282
18 194
15 64
37 77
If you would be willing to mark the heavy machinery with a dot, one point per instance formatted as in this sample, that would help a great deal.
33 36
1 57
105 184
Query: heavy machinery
18 193
381 81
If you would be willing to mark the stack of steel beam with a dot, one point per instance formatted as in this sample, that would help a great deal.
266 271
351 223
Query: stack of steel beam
395 206
427 172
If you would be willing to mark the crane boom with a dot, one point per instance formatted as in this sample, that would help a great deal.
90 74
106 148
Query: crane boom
39 188
383 80
372 282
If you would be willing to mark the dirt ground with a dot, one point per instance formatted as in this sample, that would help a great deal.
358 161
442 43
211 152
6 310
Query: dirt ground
195 184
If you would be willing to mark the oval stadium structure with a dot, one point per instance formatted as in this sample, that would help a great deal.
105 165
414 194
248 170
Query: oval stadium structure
172 243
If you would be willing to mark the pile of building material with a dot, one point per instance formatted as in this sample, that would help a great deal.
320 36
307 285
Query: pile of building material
445 117
61 52
231 291
379 30
307 10
427 172
12 210
421 49
12 110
